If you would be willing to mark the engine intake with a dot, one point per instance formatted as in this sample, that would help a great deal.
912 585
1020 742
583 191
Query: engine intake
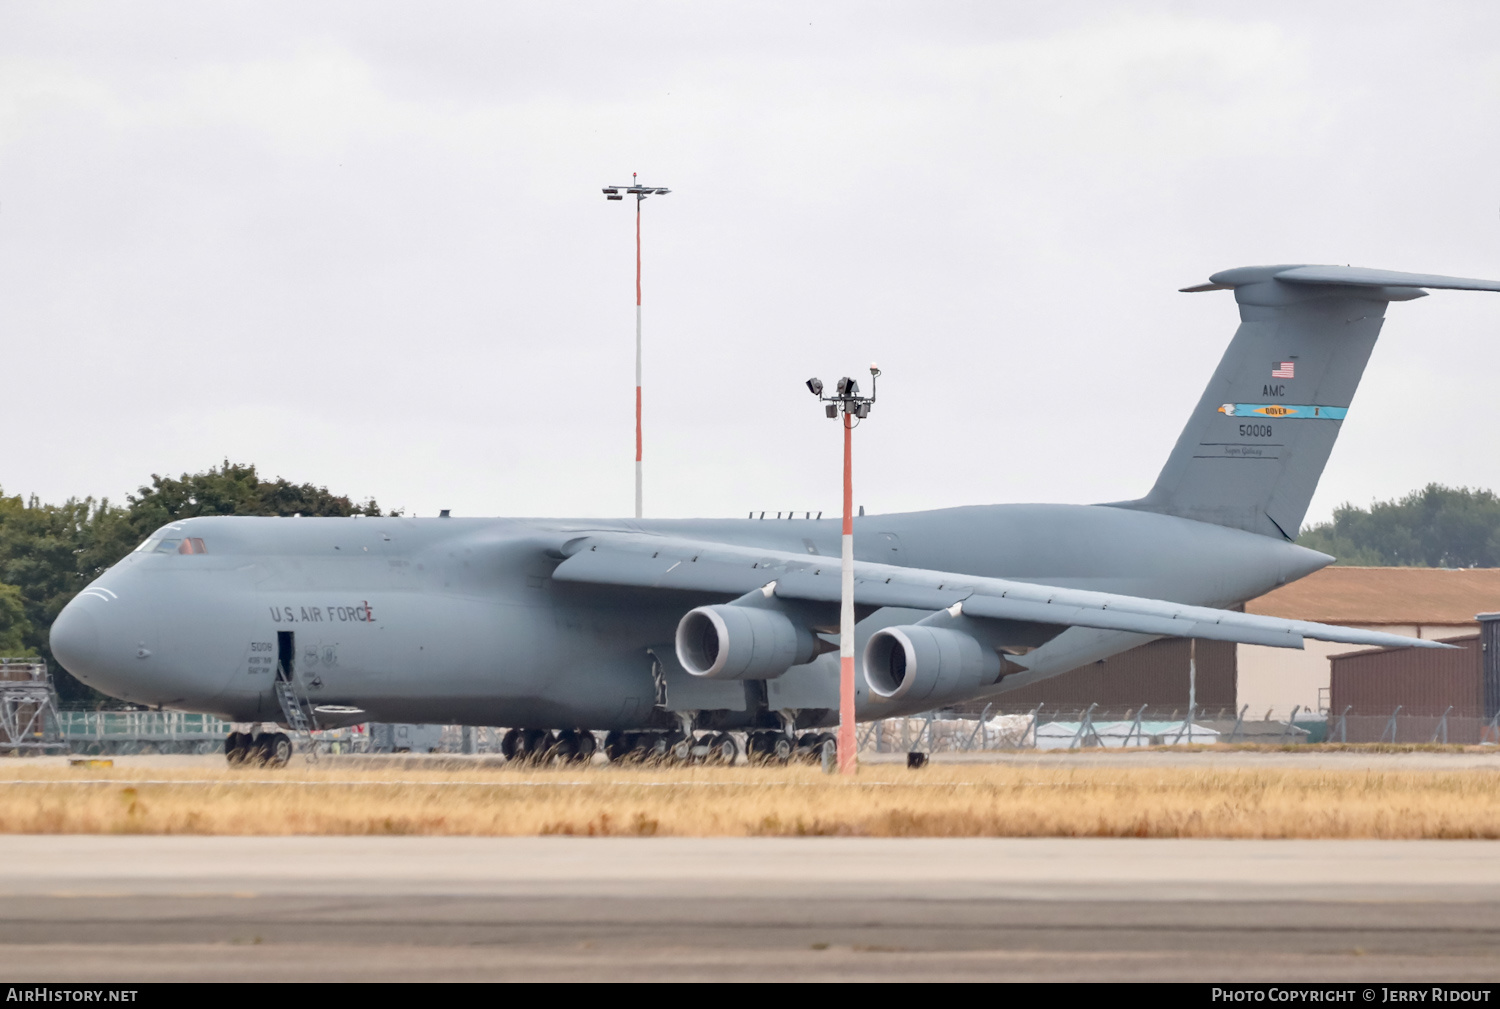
917 663
729 642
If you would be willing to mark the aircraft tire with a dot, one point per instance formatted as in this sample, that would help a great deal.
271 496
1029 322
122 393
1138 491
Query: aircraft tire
262 750
509 742
255 754
658 747
616 745
564 747
535 745
723 749
767 747
236 748
807 746
575 746
639 748
277 748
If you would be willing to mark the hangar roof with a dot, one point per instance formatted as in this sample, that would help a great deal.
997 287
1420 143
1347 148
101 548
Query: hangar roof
1351 595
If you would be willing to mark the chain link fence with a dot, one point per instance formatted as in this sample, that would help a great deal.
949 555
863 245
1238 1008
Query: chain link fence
169 732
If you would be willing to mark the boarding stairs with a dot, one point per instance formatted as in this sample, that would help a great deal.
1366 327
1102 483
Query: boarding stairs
299 716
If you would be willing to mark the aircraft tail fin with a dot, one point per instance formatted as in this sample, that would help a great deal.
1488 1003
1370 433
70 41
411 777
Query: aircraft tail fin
1255 446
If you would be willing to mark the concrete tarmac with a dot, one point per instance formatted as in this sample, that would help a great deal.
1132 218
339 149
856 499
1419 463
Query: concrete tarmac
103 908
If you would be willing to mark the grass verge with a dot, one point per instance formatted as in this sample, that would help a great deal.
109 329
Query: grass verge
883 801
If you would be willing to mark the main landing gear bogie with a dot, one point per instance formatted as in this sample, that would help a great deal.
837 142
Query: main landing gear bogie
719 748
540 746
709 748
662 747
771 747
267 749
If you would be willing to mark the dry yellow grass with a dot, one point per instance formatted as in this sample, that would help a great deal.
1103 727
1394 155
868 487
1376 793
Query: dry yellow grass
888 801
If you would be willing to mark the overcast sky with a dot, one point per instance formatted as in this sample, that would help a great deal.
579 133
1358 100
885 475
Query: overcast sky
364 244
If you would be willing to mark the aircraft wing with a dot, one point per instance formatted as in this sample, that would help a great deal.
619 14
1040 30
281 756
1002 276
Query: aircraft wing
640 560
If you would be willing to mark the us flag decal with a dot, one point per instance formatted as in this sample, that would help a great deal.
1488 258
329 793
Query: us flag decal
1284 369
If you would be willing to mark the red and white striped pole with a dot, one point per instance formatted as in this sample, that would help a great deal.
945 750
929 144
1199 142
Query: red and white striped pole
640 193
637 353
846 400
848 759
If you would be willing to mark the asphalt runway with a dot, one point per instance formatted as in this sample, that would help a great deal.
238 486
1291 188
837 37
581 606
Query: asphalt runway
103 908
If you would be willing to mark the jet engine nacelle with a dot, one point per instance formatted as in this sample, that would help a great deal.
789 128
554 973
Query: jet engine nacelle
742 643
915 663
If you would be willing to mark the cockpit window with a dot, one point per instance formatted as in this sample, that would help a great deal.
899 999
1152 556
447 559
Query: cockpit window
187 545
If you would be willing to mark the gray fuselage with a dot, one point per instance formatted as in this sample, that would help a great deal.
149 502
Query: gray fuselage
458 620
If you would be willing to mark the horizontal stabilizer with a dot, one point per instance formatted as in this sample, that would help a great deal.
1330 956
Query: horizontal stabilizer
1346 276
1361 277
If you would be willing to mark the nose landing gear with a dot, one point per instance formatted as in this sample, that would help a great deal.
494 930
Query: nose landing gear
268 749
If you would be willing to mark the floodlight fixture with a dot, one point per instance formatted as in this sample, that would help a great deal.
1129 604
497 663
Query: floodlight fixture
815 386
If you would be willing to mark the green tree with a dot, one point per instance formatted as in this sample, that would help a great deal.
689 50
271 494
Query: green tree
49 553
234 489
1436 526
13 623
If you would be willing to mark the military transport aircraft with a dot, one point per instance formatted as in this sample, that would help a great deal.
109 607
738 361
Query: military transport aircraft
668 633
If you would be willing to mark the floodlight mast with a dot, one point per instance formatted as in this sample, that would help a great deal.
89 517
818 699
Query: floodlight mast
640 193
846 400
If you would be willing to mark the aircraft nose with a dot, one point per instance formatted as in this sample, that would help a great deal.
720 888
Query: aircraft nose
75 642
109 636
